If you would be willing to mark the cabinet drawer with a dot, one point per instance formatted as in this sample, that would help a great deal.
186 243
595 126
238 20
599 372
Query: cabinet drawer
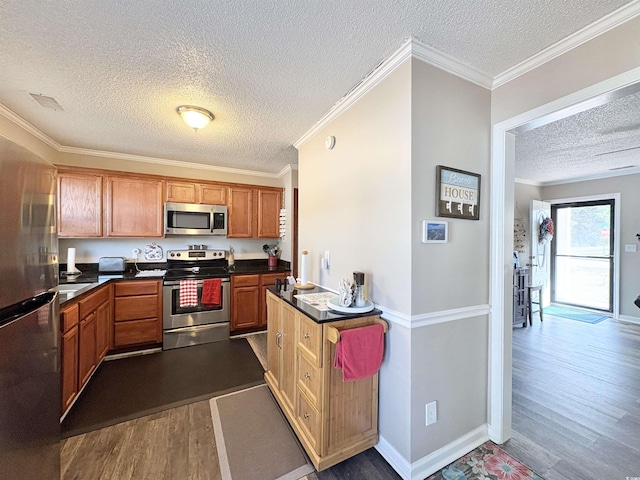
134 308
93 301
309 420
136 332
246 280
310 339
69 317
309 380
128 289
269 279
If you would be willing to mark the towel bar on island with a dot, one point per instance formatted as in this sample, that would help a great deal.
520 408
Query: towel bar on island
333 334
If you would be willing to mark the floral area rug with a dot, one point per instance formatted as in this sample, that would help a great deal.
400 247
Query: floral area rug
487 462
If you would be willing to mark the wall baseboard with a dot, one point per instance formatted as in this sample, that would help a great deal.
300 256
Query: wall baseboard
629 319
400 464
449 453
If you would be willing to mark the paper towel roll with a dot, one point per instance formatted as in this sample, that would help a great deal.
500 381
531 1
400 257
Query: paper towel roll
303 267
71 260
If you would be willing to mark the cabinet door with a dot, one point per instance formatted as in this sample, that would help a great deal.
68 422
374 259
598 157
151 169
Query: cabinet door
86 349
182 192
268 213
240 223
267 280
103 330
134 207
69 356
288 342
213 194
79 205
245 308
274 332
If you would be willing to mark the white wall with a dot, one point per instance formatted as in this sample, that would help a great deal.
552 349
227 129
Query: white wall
355 202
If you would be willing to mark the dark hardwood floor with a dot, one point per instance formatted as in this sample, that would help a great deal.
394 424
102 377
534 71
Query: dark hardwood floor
576 399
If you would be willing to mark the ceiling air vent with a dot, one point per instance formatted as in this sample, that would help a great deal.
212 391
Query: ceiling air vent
623 168
46 102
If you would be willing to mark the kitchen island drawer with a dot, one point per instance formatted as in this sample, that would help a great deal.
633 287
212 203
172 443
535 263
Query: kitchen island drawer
69 317
137 332
310 339
309 420
137 287
309 380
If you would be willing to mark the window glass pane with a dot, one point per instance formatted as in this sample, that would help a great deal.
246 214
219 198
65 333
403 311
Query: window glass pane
583 281
583 231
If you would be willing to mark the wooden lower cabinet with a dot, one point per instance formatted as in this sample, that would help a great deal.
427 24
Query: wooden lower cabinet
69 318
87 348
137 313
334 420
248 300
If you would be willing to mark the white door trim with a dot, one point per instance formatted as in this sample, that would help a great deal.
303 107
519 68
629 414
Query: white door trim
502 199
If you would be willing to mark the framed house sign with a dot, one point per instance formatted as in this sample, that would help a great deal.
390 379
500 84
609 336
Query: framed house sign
457 193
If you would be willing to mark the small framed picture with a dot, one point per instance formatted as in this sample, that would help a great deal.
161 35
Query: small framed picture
435 231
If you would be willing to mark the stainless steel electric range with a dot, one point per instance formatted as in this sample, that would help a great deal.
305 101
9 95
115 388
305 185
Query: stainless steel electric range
195 324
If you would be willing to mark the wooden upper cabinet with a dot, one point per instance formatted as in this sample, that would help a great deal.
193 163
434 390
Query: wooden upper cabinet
133 207
213 194
268 215
189 192
182 192
241 217
79 205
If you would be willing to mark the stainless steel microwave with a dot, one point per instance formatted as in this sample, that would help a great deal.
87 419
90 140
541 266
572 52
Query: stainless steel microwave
193 219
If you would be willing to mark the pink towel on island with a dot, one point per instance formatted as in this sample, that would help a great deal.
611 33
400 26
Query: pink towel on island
359 352
188 293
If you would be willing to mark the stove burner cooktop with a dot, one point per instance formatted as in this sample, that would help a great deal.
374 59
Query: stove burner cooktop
188 264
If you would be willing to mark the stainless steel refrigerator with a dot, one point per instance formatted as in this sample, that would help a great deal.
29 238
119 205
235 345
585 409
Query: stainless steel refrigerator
29 320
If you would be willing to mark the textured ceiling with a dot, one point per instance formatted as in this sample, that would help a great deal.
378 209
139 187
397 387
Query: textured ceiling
267 69
594 142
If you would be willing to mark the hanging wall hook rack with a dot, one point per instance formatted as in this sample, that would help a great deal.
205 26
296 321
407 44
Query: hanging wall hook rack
638 236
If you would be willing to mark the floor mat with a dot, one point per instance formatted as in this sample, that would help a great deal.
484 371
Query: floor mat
254 439
573 314
132 387
487 462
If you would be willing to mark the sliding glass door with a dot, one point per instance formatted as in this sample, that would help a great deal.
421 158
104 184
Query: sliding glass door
582 254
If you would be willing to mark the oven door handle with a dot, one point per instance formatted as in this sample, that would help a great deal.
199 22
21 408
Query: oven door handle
176 283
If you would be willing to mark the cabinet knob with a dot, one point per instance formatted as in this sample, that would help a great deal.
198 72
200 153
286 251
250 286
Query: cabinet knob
306 335
306 415
306 375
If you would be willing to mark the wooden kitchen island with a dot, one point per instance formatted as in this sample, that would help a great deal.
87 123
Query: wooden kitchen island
334 420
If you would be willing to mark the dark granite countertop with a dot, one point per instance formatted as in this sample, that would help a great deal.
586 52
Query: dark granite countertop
91 278
319 316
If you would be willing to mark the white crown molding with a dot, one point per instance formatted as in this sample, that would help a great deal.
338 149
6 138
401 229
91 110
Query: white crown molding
604 24
525 181
410 48
286 170
446 62
22 123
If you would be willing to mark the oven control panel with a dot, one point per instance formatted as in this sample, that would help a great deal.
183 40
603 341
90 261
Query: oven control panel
191 255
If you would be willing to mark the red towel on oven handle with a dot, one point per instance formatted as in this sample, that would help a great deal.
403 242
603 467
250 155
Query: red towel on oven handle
359 352
212 292
188 293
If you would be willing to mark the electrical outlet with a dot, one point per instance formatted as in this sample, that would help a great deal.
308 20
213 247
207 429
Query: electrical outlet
431 413
629 247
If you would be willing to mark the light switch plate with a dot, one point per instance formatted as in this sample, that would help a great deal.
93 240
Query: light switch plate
630 247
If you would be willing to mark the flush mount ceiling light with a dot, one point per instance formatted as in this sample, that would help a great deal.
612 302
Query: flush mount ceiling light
195 117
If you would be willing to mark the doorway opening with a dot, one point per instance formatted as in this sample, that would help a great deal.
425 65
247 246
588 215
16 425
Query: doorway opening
582 254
